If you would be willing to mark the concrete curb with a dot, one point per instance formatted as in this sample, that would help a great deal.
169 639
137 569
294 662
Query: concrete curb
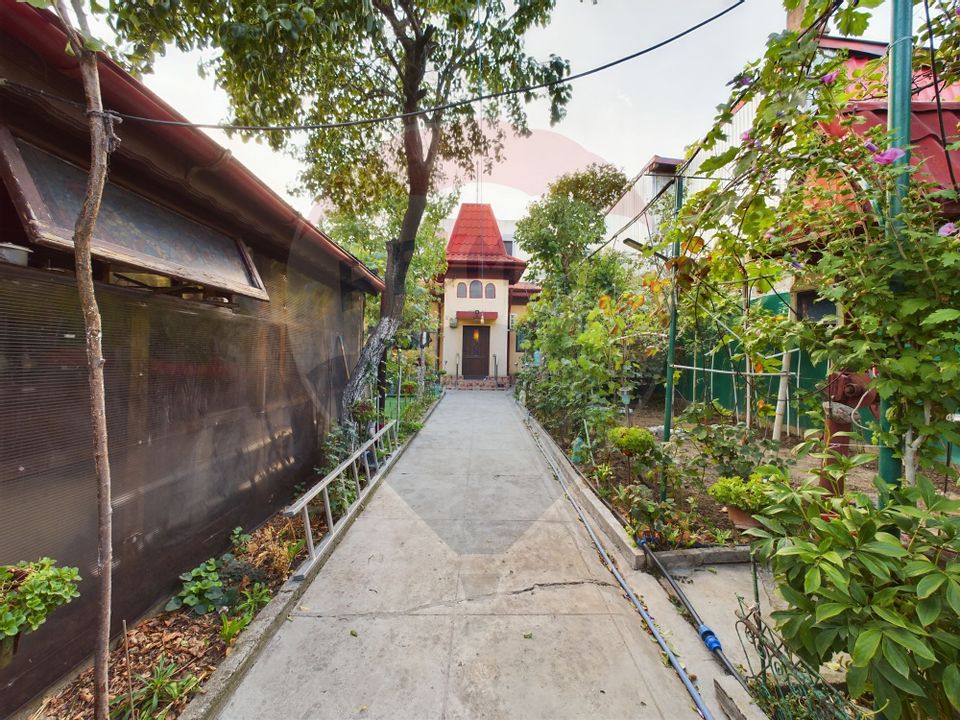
214 693
627 550
697 557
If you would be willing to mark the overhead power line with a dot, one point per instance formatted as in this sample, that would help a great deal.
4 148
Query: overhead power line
406 115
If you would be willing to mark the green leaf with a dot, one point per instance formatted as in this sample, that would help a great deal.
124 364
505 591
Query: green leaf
911 642
896 657
718 161
941 316
825 611
928 610
899 681
866 646
876 567
928 585
951 685
953 595
811 582
856 680
886 549
837 576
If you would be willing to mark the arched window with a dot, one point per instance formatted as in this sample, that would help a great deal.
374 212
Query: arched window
490 291
461 290
476 289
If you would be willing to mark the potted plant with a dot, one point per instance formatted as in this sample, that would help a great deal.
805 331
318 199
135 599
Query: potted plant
743 498
28 593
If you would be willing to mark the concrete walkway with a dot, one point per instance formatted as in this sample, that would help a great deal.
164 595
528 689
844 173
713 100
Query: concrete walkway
467 589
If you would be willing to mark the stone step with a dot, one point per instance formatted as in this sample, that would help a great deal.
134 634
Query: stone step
502 383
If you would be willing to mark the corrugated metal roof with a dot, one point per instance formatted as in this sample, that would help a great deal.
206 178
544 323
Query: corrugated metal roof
924 134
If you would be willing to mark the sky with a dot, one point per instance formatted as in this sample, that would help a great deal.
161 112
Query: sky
656 104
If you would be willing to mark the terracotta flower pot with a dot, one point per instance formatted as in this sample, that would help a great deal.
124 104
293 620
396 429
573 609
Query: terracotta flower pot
741 519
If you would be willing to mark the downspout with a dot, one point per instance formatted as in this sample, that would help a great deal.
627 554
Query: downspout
898 124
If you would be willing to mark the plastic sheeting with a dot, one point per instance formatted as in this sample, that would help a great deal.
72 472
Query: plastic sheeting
214 414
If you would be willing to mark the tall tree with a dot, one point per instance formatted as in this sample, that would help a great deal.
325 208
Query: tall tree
560 227
366 234
332 62
83 46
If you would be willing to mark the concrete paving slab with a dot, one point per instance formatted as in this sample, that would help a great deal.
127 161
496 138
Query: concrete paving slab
467 548
315 668
523 667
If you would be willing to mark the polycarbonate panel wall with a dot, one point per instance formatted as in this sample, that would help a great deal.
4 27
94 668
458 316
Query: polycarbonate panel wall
214 414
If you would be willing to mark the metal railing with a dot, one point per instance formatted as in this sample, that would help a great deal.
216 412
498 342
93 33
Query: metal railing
375 452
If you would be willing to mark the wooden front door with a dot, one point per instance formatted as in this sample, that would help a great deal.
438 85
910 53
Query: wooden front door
476 351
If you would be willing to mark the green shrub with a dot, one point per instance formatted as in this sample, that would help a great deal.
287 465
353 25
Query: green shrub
30 591
155 695
734 449
879 583
202 589
633 442
749 495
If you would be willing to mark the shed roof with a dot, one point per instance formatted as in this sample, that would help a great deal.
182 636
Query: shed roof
207 167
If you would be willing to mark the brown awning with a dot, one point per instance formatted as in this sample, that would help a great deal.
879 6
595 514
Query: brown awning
131 230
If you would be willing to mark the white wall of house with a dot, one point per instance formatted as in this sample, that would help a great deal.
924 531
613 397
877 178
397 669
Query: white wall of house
453 337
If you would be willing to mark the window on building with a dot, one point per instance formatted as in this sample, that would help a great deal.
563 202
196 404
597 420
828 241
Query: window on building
136 237
461 290
476 289
508 246
521 337
490 291
810 306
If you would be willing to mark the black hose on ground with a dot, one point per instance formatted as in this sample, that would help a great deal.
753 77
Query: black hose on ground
707 635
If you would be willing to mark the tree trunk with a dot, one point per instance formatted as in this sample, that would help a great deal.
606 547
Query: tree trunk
399 255
419 166
102 141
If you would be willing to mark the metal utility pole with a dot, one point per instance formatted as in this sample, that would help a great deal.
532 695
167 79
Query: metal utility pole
672 340
900 82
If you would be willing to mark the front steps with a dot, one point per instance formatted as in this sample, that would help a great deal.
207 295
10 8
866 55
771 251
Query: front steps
488 383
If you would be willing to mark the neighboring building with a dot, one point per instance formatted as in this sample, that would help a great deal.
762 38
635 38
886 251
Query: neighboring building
927 151
229 324
482 297
637 214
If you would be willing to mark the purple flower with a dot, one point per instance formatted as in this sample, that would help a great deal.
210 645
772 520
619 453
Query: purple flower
830 78
745 136
948 229
888 156
871 147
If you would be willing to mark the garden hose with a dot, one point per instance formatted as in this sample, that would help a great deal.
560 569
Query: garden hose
651 626
707 635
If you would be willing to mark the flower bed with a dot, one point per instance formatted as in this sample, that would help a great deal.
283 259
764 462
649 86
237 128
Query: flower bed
162 661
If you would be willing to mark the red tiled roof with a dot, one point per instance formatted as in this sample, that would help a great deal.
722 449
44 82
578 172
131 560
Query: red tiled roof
476 243
523 291
476 234
924 134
